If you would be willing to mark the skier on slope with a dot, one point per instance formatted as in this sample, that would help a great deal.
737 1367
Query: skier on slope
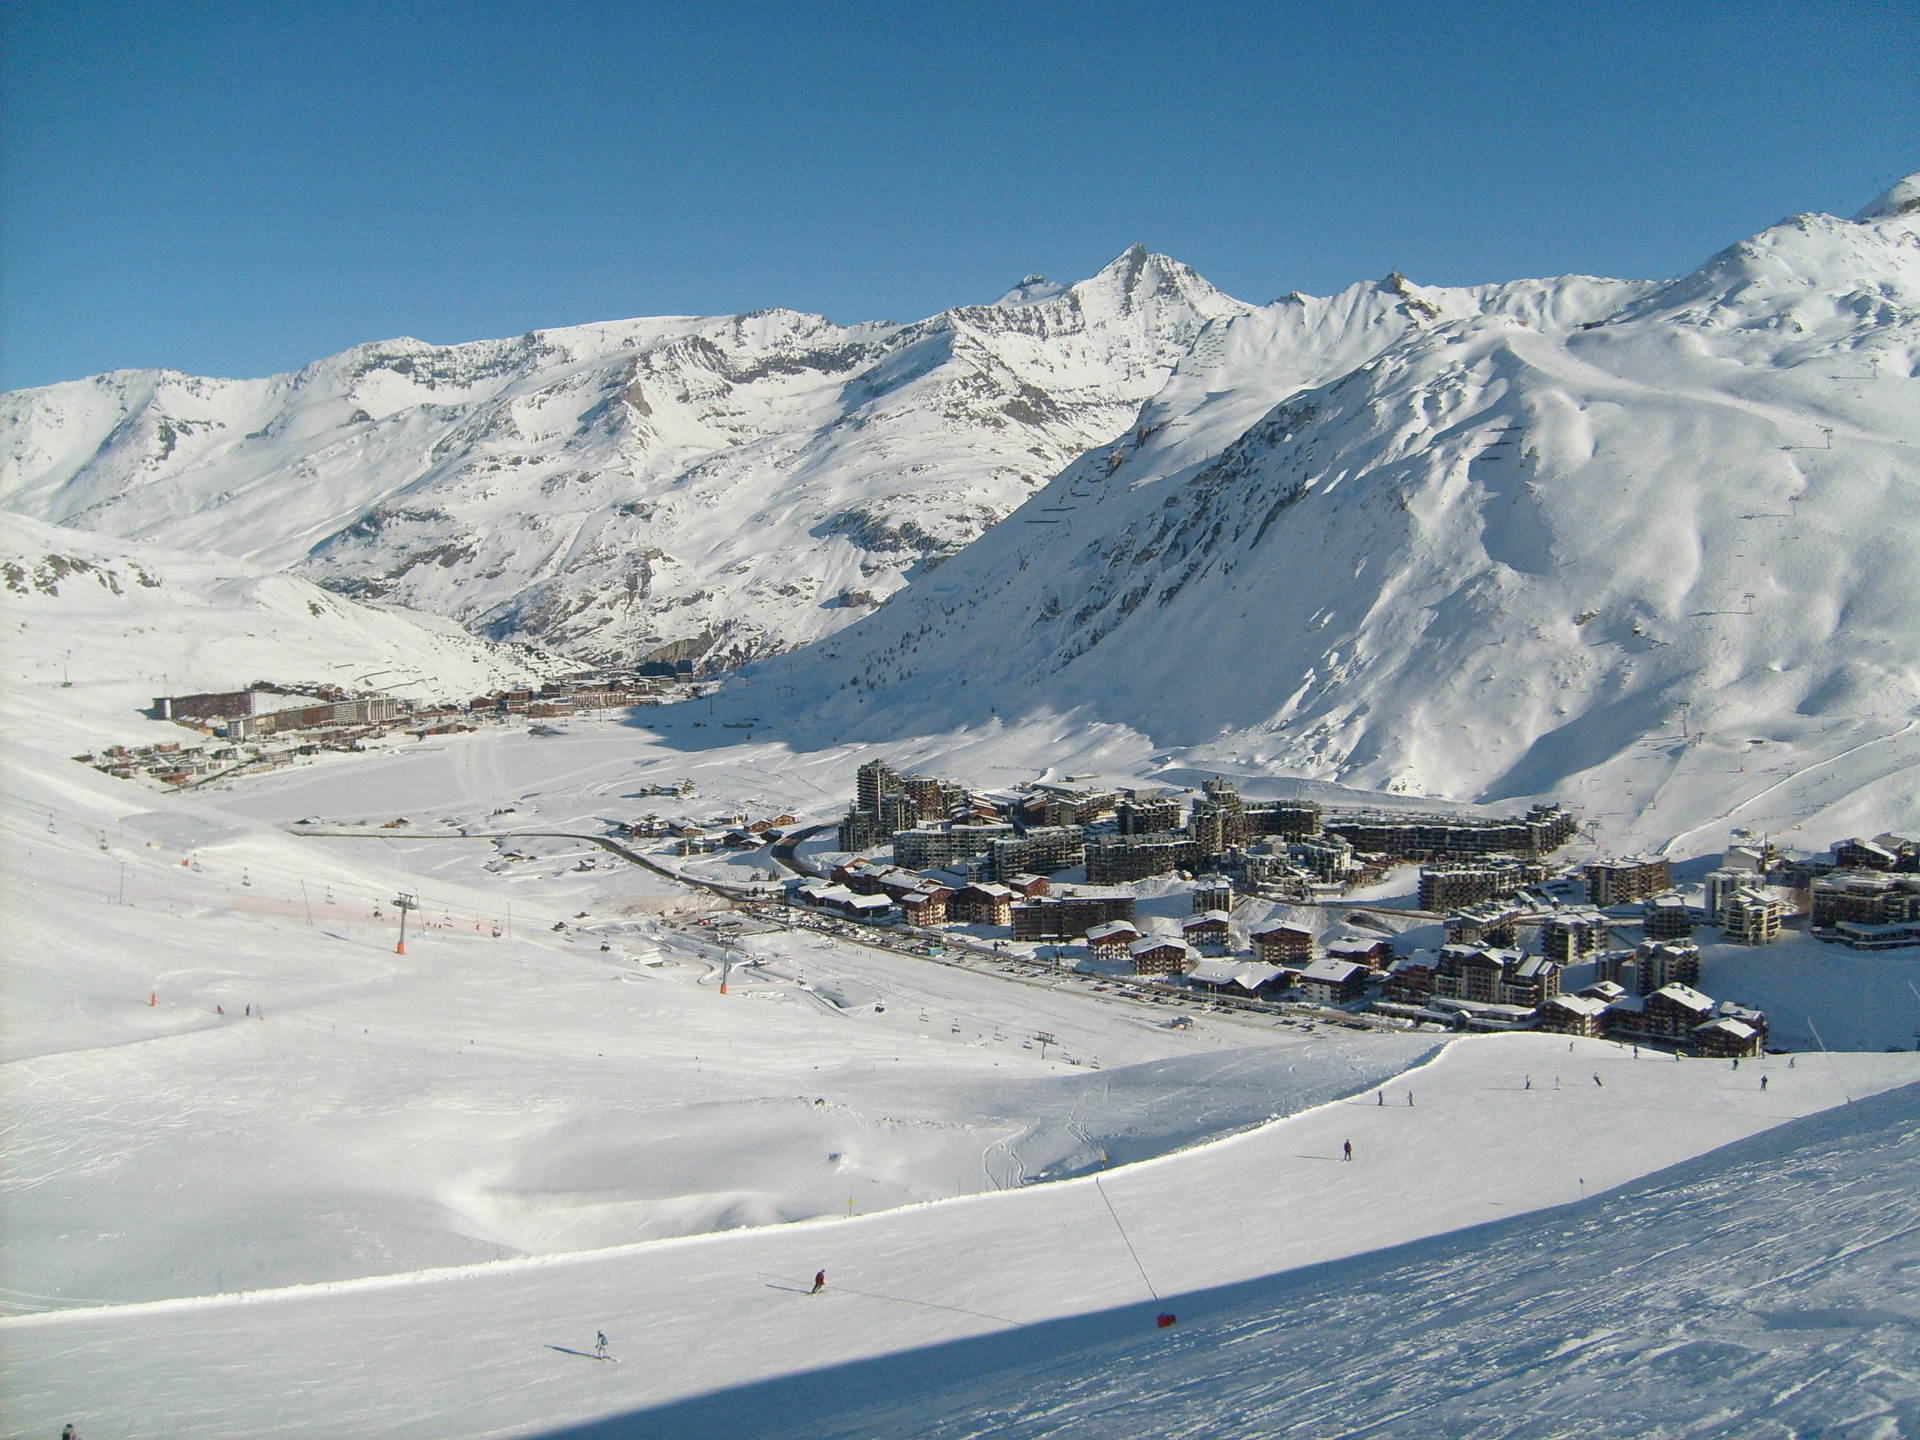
819 1282
600 1344
1346 1147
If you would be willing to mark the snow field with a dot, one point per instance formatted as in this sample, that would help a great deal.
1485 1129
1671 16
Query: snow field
1755 1292
472 1351
486 1095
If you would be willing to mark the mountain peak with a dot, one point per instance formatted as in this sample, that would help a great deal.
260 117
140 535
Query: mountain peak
1138 276
1130 266
1031 290
1901 198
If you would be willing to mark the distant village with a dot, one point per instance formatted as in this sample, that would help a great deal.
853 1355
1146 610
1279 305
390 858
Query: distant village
268 725
1509 920
1064 871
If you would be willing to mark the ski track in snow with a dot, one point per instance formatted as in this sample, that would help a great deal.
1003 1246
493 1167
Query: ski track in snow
268 1175
1490 1316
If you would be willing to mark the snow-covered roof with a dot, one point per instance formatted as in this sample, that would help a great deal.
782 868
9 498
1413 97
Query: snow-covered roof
1249 975
1480 1007
1146 944
1355 945
1290 930
1684 995
1737 1028
1587 1005
1332 970
1578 915
1110 928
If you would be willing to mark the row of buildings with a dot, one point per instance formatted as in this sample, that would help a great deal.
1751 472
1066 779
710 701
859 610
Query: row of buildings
1285 848
265 708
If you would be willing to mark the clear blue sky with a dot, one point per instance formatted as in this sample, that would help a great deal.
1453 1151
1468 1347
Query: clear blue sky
236 189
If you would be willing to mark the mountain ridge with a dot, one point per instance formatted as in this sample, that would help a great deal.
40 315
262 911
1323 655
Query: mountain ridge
553 485
1681 508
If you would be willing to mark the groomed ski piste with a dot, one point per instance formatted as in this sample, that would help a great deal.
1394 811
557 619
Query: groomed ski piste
267 1175
402 1195
533 1097
1304 1302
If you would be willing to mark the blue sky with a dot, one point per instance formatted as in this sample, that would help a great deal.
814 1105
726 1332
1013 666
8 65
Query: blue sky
236 189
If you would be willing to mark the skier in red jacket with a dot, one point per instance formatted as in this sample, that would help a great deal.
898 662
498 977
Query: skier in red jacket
819 1282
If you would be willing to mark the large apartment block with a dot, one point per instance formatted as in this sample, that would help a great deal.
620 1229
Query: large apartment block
1113 859
1623 881
1439 838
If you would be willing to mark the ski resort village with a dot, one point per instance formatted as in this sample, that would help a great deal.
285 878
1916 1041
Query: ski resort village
1114 863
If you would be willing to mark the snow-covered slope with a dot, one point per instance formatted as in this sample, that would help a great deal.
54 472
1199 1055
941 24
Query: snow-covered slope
1760 1290
693 488
683 487
1772 1278
1506 550
96 627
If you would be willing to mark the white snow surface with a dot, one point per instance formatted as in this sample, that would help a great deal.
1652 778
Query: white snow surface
703 487
1707 1297
1650 550
97 627
396 1199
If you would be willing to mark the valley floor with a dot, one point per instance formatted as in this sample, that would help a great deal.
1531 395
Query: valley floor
270 1175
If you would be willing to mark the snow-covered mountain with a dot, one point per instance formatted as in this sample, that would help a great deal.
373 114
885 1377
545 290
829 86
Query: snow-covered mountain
97 626
707 489
1525 537
682 488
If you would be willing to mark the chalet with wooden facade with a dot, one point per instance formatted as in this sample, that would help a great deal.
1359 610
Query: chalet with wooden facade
1161 955
1331 981
1282 945
1112 940
983 904
1211 931
1574 1015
